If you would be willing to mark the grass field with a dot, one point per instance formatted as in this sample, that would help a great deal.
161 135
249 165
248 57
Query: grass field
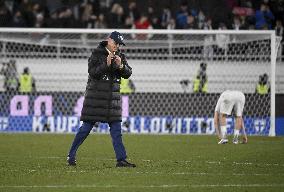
37 162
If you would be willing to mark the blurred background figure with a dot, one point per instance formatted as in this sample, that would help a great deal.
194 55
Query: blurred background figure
116 17
262 86
208 41
200 83
126 86
181 16
9 71
222 40
279 29
166 17
27 82
264 17
142 23
184 85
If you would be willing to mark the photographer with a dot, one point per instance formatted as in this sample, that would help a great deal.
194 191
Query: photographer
200 83
262 86
11 81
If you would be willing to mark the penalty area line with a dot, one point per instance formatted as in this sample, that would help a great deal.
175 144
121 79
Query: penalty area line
144 186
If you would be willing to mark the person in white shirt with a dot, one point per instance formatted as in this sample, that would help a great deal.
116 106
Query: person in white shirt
228 101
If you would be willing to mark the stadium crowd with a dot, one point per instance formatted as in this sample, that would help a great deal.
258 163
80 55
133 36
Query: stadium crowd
166 14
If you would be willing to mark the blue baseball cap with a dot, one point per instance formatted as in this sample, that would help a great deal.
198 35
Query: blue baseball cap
117 37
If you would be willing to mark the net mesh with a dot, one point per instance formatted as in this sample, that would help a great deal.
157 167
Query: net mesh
165 69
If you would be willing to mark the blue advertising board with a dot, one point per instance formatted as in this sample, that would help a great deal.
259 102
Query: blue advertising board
60 113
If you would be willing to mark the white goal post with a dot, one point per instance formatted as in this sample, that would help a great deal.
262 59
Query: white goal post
165 65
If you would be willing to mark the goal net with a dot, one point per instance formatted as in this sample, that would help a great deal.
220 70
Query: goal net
178 76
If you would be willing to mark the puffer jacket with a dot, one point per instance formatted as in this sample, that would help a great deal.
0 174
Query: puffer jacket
102 101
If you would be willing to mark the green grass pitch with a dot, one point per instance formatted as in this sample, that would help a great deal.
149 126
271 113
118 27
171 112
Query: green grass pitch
37 162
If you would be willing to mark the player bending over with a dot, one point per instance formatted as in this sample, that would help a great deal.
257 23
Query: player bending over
226 102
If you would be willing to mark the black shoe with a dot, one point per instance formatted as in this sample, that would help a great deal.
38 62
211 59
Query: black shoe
124 163
71 161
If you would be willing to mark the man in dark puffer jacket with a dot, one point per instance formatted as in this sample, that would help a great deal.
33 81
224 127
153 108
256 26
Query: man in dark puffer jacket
102 98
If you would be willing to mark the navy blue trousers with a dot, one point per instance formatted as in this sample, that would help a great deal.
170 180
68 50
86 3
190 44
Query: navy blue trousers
115 132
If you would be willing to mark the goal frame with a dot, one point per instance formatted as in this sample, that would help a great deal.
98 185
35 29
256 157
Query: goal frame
270 33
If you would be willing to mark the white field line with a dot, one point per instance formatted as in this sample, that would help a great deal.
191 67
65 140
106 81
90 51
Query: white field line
246 163
147 186
178 161
155 173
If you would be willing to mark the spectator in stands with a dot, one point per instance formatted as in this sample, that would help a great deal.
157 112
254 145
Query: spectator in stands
166 17
35 13
52 21
116 17
208 24
102 98
5 15
279 28
39 21
201 19
151 13
208 41
87 15
133 11
38 15
280 33
18 20
66 18
246 21
200 83
27 82
246 3
171 24
9 71
264 17
26 9
142 23
181 16
100 22
53 5
128 23
277 8
155 23
262 87
190 23
237 25
222 40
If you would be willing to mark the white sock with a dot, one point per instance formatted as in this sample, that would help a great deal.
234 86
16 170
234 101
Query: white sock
223 131
236 133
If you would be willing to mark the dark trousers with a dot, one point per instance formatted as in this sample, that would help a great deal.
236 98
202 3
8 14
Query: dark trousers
115 132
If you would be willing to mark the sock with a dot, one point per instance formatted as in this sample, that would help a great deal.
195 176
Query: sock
236 133
223 131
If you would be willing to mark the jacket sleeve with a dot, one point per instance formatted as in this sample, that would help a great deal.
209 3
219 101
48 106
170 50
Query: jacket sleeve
96 68
126 71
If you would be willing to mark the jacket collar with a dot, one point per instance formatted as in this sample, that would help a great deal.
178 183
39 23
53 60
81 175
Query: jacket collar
102 47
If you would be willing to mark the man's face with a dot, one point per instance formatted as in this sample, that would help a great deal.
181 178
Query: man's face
112 45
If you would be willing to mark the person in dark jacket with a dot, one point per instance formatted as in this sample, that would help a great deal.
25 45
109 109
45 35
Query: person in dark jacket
102 101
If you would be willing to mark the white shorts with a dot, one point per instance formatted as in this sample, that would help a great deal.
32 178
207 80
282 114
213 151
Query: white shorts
229 100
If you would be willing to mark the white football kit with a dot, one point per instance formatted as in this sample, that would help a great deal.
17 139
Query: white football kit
229 100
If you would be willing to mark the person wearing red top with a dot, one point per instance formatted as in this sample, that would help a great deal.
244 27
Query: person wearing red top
142 23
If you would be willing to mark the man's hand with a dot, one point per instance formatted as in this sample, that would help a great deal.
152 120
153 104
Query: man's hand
118 61
109 58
